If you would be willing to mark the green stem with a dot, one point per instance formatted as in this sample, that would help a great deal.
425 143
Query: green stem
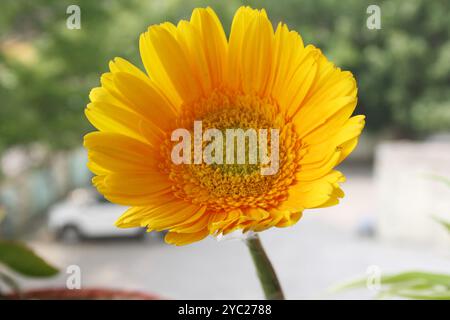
264 268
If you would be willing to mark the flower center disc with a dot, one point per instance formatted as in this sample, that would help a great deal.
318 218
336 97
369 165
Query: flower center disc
233 185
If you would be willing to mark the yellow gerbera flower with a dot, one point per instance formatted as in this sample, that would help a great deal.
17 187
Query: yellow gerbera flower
258 78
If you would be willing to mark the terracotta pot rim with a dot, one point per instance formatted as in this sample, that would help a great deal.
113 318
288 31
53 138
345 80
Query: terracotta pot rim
82 294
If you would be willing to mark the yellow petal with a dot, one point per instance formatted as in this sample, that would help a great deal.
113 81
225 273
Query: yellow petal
174 62
122 65
308 119
181 239
214 43
110 118
145 100
169 215
257 51
287 48
120 153
156 71
241 22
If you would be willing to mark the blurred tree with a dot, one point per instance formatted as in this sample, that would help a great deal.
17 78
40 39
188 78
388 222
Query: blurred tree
403 69
47 70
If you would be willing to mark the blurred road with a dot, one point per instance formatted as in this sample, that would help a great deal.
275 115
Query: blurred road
320 251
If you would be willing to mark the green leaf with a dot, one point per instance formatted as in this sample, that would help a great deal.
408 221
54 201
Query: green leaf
444 180
411 285
21 259
443 222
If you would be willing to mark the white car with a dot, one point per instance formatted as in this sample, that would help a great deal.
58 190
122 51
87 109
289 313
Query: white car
86 214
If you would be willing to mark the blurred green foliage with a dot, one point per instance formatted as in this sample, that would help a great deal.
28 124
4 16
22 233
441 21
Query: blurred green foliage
47 70
422 285
410 285
18 257
22 260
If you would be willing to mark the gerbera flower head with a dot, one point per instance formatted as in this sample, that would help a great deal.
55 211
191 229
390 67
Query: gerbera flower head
258 78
